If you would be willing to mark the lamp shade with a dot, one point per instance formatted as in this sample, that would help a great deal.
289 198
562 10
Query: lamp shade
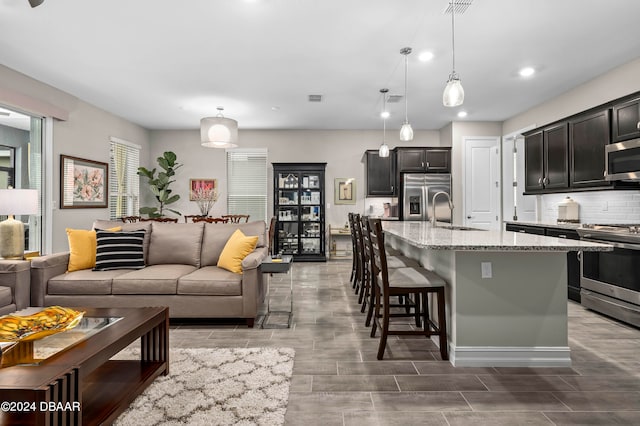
18 201
453 93
218 132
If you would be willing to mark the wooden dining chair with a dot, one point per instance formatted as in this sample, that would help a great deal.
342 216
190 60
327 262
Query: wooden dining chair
210 219
415 283
159 219
236 218
192 217
130 219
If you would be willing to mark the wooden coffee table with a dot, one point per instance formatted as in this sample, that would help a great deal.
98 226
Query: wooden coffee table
69 379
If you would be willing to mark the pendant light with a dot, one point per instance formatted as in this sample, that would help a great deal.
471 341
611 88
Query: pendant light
219 131
453 93
406 132
383 151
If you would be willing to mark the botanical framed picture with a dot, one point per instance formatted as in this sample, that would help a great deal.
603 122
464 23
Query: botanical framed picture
345 191
199 188
83 183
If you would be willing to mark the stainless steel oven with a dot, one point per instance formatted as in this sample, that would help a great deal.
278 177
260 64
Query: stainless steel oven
610 280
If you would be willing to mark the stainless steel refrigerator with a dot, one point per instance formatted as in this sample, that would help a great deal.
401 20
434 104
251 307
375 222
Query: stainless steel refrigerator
417 192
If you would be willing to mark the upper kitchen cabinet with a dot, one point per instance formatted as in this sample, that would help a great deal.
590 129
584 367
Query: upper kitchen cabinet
588 135
425 160
547 159
381 174
626 120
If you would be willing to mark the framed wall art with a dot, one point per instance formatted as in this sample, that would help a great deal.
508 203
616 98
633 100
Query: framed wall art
83 183
345 191
199 188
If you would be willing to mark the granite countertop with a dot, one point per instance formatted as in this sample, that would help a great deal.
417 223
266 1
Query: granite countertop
545 224
423 235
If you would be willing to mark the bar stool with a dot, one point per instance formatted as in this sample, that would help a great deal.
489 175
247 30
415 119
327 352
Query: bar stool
367 296
354 259
416 282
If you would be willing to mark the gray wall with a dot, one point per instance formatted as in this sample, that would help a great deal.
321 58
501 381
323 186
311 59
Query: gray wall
342 150
614 84
84 133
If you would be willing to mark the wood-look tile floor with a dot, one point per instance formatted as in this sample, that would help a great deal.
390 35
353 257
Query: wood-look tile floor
338 381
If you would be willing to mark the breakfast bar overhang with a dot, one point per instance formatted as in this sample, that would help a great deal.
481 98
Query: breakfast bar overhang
506 292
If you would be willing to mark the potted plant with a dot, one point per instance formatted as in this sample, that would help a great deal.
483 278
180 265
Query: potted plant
159 185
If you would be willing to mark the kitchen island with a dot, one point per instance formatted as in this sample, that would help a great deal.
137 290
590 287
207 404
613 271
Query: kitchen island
506 291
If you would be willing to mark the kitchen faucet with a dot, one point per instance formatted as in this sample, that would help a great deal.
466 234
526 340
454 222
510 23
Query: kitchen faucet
433 207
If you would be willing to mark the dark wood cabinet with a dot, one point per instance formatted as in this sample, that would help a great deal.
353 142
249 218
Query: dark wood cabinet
425 160
381 174
588 136
546 159
533 161
626 121
299 208
556 157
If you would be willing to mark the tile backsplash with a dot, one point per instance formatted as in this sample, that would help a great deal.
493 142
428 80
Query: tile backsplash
596 206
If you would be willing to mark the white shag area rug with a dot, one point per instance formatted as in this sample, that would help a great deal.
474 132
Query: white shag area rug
221 386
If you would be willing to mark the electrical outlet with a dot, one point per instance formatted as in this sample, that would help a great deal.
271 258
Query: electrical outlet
486 270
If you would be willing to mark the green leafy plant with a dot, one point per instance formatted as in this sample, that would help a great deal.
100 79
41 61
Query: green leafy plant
159 185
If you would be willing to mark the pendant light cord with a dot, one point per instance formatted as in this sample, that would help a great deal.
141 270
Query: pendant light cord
384 119
406 77
453 34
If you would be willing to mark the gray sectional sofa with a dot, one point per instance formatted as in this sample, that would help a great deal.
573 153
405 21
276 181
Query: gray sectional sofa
14 285
180 272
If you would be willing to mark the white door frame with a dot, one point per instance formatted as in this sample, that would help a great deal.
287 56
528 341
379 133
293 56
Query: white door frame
505 174
464 173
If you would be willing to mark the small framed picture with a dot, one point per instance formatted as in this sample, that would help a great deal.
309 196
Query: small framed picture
83 183
199 188
345 191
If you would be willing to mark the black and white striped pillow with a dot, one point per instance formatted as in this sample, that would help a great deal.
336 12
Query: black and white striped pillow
119 250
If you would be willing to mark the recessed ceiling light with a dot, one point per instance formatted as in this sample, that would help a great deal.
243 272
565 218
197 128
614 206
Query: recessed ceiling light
462 114
385 114
527 72
425 56
275 108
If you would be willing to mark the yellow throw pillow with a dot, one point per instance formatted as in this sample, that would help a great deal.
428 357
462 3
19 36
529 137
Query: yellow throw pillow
82 248
238 247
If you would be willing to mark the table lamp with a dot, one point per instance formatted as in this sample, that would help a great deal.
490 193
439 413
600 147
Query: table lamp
15 202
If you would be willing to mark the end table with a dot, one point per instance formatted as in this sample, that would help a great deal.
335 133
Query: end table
281 265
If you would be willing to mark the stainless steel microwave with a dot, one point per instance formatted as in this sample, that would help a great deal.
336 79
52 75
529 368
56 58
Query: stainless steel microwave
623 160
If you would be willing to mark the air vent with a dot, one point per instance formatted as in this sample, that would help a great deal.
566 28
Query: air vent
461 7
394 99
315 98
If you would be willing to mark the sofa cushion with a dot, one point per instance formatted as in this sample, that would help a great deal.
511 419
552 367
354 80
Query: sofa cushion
119 250
216 236
155 279
82 248
136 226
85 281
211 281
235 250
5 296
175 243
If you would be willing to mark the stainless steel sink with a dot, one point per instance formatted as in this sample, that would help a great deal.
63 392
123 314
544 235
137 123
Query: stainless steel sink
459 228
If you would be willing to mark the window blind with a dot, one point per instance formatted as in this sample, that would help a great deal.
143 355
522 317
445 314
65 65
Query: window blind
124 182
247 182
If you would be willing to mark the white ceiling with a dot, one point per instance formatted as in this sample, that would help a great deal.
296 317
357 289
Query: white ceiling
164 64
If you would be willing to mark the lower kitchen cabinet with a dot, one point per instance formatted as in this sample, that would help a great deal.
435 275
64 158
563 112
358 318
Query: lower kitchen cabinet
573 257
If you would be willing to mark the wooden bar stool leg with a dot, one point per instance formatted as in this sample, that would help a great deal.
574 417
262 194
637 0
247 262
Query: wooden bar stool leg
442 325
385 329
374 324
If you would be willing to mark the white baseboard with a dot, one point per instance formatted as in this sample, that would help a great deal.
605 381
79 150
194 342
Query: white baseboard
478 356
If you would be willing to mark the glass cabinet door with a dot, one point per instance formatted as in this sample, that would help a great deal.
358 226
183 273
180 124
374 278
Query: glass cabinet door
299 209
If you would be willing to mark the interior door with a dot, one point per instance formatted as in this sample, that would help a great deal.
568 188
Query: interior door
482 182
